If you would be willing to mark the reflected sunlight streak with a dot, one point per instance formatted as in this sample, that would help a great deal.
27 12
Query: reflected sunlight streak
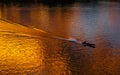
19 53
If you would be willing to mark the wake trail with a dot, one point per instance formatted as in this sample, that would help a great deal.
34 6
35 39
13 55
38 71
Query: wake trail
34 32
11 27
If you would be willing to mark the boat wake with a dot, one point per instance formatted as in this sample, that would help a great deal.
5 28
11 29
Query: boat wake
34 32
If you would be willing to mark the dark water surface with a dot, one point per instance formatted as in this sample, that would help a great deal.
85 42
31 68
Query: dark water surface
96 23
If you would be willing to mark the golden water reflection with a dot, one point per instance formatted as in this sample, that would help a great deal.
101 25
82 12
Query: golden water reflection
47 56
17 54
26 55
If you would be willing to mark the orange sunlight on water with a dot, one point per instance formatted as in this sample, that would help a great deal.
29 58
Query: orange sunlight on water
22 52
31 45
18 53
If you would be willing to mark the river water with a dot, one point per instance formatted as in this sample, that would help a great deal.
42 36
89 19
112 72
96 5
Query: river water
96 23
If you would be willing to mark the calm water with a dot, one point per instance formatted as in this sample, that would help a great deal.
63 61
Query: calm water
96 23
